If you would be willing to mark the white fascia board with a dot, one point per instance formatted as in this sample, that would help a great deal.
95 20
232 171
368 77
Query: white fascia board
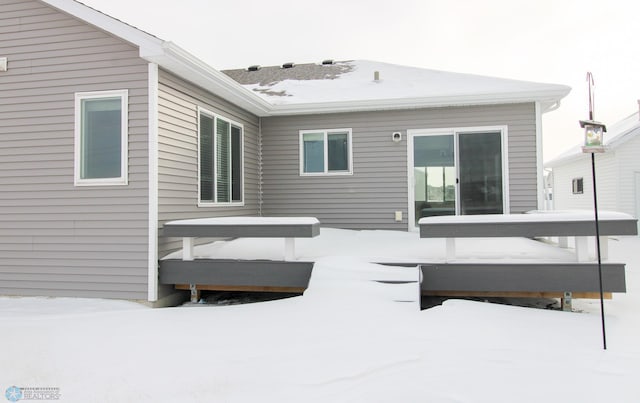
548 99
147 43
179 61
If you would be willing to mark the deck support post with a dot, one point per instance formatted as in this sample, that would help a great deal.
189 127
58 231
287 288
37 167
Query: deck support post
289 249
565 302
195 293
187 248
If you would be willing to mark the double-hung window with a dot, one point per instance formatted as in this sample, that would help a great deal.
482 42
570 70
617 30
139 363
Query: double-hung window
577 186
101 137
325 152
220 143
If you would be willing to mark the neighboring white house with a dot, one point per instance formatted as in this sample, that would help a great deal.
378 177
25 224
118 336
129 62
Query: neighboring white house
617 172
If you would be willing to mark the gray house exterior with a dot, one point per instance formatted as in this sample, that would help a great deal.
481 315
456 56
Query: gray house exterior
61 239
378 188
64 232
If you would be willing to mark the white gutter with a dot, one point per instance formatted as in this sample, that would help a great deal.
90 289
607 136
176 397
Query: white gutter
180 62
547 100
177 60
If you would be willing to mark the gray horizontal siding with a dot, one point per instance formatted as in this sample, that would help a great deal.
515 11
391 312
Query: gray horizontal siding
178 157
378 186
57 239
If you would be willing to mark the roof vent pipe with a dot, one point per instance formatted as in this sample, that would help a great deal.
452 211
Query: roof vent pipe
376 76
288 65
255 67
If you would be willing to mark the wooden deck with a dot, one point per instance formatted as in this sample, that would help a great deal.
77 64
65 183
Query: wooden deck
542 280
453 278
484 278
288 228
580 226
254 275
525 225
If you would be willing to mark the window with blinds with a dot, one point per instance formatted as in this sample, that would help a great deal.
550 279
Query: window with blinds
220 145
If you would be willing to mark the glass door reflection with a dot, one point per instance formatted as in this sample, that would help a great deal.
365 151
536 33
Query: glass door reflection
434 175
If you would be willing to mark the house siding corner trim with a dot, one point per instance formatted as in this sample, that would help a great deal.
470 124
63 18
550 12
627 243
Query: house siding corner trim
153 183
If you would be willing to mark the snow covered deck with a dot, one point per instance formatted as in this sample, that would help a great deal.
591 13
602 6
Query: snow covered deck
288 228
561 224
483 266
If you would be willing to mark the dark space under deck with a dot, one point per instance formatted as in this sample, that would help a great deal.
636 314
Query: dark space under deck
438 278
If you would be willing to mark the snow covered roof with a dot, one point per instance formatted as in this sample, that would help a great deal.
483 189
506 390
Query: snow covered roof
310 88
617 134
364 84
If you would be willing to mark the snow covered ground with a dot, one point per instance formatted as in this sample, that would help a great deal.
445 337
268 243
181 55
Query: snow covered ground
341 342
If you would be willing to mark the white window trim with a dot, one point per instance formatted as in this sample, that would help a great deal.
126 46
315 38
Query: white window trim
574 186
215 116
326 133
123 179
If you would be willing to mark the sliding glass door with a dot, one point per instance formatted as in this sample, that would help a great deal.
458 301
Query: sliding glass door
434 175
480 173
457 172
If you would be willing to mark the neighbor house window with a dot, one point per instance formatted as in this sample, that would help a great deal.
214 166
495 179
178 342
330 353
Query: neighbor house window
577 185
221 160
101 138
325 152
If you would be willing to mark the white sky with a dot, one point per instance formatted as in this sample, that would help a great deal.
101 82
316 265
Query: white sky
555 41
